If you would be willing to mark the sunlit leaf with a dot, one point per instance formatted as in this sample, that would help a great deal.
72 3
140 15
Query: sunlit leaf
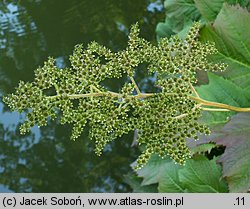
179 17
224 91
161 171
230 32
202 175
209 9
198 175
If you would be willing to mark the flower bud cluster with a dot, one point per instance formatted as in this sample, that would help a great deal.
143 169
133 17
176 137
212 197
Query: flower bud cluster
76 95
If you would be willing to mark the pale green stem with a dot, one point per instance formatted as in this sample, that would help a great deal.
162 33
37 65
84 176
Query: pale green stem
220 105
135 85
56 87
201 102
194 91
214 109
93 87
100 94
186 114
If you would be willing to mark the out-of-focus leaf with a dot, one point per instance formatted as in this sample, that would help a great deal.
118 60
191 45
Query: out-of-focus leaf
179 17
224 91
209 9
164 29
181 9
135 183
181 13
231 32
202 175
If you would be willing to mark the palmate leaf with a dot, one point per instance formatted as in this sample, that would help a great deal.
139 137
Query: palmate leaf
202 175
199 175
181 13
234 135
135 183
235 161
209 9
202 148
161 171
224 91
231 32
179 17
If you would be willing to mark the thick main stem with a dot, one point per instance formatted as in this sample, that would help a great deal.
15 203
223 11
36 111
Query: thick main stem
220 105
100 94
202 102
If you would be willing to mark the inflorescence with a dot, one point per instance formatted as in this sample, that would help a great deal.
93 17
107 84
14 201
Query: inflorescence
163 120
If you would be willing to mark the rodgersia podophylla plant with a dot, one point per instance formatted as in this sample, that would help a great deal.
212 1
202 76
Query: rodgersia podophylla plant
163 120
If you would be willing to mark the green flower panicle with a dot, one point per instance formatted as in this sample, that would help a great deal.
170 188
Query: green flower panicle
163 120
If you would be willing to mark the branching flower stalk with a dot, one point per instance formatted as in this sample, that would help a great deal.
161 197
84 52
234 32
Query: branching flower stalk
163 120
224 107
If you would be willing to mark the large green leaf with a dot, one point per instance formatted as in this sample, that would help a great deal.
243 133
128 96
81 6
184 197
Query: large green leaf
224 91
232 25
242 3
169 180
161 171
202 175
179 17
181 9
235 136
235 161
231 34
199 175
135 183
181 13
209 9
201 148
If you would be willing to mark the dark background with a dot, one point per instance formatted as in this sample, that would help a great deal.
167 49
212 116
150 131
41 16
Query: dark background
31 30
